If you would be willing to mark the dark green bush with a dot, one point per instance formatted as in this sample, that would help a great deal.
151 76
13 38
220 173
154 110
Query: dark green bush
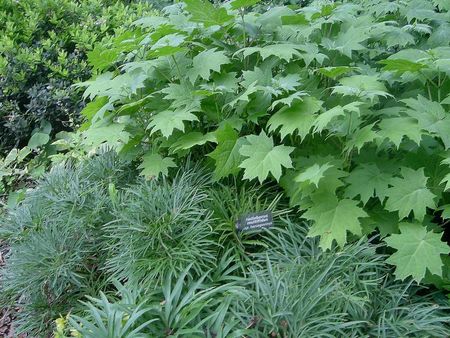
43 48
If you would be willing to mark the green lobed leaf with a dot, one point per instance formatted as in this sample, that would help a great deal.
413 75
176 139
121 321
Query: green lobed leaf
204 12
332 218
409 193
167 121
226 154
300 116
418 250
262 157
154 165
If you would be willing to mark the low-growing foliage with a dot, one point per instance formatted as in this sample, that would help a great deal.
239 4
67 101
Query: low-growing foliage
345 104
185 271
160 228
310 294
55 240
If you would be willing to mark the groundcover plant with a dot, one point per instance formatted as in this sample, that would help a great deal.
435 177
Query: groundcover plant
344 104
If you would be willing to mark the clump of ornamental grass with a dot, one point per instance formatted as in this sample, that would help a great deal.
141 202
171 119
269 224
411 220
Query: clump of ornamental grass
55 238
161 226
292 289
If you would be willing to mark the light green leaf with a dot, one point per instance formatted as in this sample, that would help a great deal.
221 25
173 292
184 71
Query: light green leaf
334 72
154 165
431 116
167 121
288 100
313 174
444 180
418 250
227 154
264 158
363 86
192 139
360 137
333 218
367 181
299 116
401 66
38 139
113 135
235 4
348 41
206 62
410 193
396 128
204 12
284 51
325 118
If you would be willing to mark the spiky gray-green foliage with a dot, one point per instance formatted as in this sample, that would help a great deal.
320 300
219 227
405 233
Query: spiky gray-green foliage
161 227
293 289
55 240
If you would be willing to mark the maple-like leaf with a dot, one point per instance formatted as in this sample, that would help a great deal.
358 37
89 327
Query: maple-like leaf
167 121
153 165
348 41
206 62
262 157
410 193
396 128
446 180
418 250
401 66
332 218
431 116
226 154
363 86
112 134
299 116
326 117
204 12
284 51
313 174
334 72
182 95
192 139
235 4
360 137
367 181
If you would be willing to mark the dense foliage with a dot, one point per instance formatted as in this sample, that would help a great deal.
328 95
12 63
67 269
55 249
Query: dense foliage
333 116
44 47
344 104
87 227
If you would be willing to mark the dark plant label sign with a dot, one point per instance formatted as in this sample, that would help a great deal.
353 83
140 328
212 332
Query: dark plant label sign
254 221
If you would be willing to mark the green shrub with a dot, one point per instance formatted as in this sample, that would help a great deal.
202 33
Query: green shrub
343 104
43 48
